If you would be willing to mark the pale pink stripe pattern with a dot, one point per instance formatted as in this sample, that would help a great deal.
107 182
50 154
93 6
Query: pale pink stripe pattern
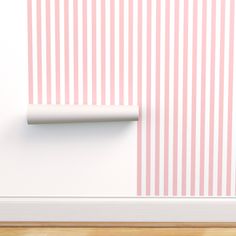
48 50
30 51
121 50
157 133
156 174
194 94
57 51
39 50
66 30
230 97
221 97
185 96
212 98
166 128
176 80
76 61
112 51
130 52
139 126
94 54
85 56
103 52
203 97
148 133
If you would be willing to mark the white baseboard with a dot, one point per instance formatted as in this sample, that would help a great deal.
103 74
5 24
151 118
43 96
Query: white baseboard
117 210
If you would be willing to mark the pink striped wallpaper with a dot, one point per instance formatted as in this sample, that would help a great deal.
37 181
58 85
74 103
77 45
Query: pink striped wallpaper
174 58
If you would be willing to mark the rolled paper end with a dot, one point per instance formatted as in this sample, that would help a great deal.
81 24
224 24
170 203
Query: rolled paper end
56 114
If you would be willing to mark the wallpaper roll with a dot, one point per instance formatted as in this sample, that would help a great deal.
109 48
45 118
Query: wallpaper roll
49 114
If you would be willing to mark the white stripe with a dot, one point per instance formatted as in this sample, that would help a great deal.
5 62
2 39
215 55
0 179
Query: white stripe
53 51
144 92
89 49
62 52
189 97
80 51
135 52
198 93
171 96
226 85
98 51
44 61
162 101
153 94
126 52
108 41
35 66
71 52
117 54
180 96
207 103
216 115
233 187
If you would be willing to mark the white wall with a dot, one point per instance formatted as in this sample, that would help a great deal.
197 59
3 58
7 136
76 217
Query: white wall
60 160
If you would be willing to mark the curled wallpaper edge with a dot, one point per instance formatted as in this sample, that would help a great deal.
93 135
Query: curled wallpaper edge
49 114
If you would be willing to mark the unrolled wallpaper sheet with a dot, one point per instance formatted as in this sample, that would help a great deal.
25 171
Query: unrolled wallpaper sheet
173 58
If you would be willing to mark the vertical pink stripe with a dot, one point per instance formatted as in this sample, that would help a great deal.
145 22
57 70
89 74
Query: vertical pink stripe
157 134
130 52
139 126
94 54
30 51
121 56
76 62
166 128
221 97
203 92
230 97
39 50
185 96
85 59
212 98
176 80
112 52
57 53
66 29
194 94
48 50
103 52
148 134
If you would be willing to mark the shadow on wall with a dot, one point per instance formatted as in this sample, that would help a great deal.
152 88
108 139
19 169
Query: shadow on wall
81 132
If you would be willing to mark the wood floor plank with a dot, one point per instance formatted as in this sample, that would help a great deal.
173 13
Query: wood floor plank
117 231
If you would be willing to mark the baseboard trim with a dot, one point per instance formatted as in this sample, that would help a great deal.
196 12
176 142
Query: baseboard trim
118 224
78 211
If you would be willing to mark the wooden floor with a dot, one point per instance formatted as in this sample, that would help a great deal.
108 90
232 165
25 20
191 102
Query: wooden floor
57 231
